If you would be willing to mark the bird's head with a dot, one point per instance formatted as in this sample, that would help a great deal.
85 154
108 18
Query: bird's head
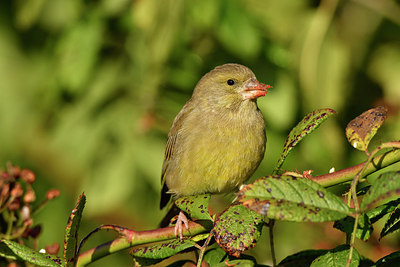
230 83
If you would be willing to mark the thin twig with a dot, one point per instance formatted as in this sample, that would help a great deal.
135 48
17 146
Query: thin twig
203 249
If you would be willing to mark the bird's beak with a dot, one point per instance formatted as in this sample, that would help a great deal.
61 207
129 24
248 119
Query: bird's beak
254 89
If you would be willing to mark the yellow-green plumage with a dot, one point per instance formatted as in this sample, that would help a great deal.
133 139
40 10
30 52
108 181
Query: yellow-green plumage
218 139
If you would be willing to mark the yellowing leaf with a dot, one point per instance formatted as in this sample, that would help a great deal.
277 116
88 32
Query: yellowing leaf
360 131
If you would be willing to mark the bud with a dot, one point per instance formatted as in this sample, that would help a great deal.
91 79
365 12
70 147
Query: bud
25 213
53 193
35 231
29 196
5 176
14 170
53 249
5 189
17 190
15 204
28 176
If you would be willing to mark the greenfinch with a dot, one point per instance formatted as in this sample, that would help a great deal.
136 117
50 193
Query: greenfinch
218 139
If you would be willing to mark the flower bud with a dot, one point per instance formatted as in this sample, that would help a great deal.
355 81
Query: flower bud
28 176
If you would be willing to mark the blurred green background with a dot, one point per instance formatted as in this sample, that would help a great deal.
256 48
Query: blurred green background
89 89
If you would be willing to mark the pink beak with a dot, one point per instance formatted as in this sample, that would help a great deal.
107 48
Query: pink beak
254 89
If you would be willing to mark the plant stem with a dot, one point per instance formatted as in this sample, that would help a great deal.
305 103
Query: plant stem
203 249
133 238
353 190
376 163
271 225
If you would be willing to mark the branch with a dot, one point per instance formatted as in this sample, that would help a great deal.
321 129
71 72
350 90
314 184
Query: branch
132 238
345 175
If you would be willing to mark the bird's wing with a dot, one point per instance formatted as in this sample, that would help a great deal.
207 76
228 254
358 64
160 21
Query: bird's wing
173 139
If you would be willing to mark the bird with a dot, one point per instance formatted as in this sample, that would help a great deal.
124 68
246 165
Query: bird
217 140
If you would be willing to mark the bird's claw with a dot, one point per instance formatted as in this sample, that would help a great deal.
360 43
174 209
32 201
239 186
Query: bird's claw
178 226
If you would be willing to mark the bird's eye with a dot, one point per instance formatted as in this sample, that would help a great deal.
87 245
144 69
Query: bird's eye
230 82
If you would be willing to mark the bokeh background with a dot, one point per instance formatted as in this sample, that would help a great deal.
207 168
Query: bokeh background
89 89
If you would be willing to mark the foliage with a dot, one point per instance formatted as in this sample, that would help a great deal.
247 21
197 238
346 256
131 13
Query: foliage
89 90
18 205
284 197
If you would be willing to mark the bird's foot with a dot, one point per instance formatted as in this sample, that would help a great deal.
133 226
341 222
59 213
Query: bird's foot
179 227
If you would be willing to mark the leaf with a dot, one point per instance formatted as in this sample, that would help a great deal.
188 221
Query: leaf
237 229
218 257
337 257
215 256
389 260
364 228
307 125
284 197
384 188
195 206
392 224
302 258
18 251
240 262
362 129
376 214
71 232
155 253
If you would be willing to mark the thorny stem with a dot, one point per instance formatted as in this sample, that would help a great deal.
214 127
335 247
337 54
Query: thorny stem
271 225
203 249
353 190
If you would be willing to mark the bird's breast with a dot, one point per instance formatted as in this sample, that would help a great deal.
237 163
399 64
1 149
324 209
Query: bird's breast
222 150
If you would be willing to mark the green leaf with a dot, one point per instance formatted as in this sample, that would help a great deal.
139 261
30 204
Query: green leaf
195 206
218 257
376 214
392 224
385 188
364 228
240 262
389 260
337 257
71 232
215 256
155 253
302 258
237 229
307 125
362 129
284 197
14 250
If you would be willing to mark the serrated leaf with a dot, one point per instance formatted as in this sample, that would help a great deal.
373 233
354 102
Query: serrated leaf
307 125
385 188
302 258
237 229
195 206
389 260
364 228
284 197
379 212
392 224
362 129
24 253
71 232
152 254
337 257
